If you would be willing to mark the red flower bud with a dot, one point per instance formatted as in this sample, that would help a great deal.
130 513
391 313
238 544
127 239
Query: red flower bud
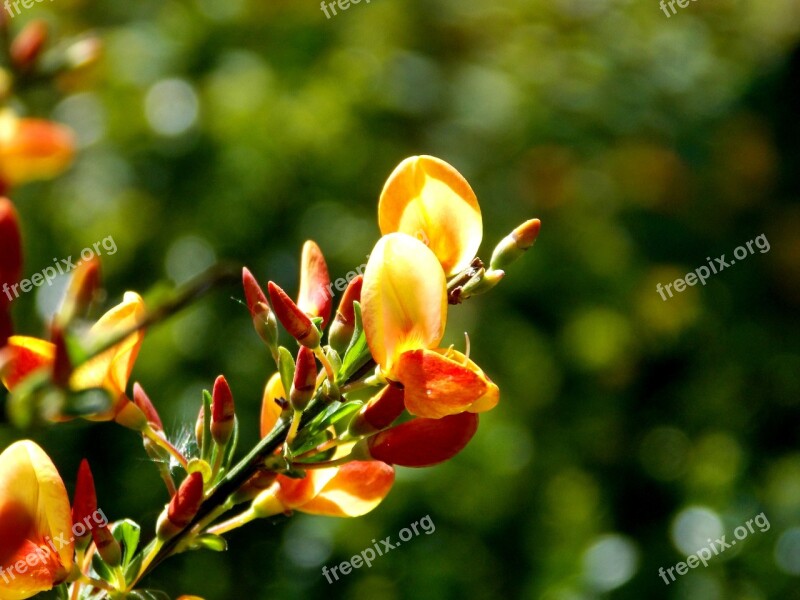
183 506
141 400
10 251
107 546
223 412
424 442
27 46
305 379
263 318
380 412
83 288
315 295
296 322
62 367
84 502
344 323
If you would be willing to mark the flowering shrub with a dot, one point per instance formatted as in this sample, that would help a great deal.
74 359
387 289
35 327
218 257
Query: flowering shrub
366 389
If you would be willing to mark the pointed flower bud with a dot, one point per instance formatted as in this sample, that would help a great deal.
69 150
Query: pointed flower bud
142 400
107 546
515 244
10 251
296 322
380 412
223 412
183 506
84 503
264 320
305 379
315 296
82 291
344 324
423 442
27 46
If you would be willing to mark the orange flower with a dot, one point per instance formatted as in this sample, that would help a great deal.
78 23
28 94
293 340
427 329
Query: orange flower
33 149
36 547
110 369
270 410
429 199
405 310
351 490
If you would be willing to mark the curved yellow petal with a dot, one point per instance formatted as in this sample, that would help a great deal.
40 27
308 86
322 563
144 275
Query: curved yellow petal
427 198
355 489
34 508
270 411
112 368
404 298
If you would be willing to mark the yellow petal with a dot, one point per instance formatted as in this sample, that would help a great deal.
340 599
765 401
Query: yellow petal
270 411
404 298
34 508
427 198
355 489
112 368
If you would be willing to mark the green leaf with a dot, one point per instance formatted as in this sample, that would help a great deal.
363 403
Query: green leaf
357 354
205 450
148 595
127 533
101 569
62 592
133 568
286 367
230 449
209 541
308 440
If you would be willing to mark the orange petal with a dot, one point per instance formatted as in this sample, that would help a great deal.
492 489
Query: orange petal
270 411
404 298
436 386
356 489
427 198
29 355
33 507
112 368
424 442
33 149
315 294
491 397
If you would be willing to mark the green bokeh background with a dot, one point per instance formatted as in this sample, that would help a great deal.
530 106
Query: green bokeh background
237 129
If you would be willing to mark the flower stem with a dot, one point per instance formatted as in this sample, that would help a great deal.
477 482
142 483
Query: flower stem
166 445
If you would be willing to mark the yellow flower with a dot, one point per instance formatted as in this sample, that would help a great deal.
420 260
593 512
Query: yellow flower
33 149
404 301
110 369
429 199
36 548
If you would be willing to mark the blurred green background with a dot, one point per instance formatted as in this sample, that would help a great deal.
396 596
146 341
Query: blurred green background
630 429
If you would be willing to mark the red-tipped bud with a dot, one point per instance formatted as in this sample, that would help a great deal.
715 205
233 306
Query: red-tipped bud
380 412
294 320
10 252
264 320
515 244
27 46
315 282
82 291
107 546
142 400
223 412
183 506
344 324
62 367
84 502
305 379
424 442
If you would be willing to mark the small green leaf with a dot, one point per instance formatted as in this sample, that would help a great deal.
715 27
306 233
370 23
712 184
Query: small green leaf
230 449
286 367
357 354
133 568
101 569
308 441
127 533
209 541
